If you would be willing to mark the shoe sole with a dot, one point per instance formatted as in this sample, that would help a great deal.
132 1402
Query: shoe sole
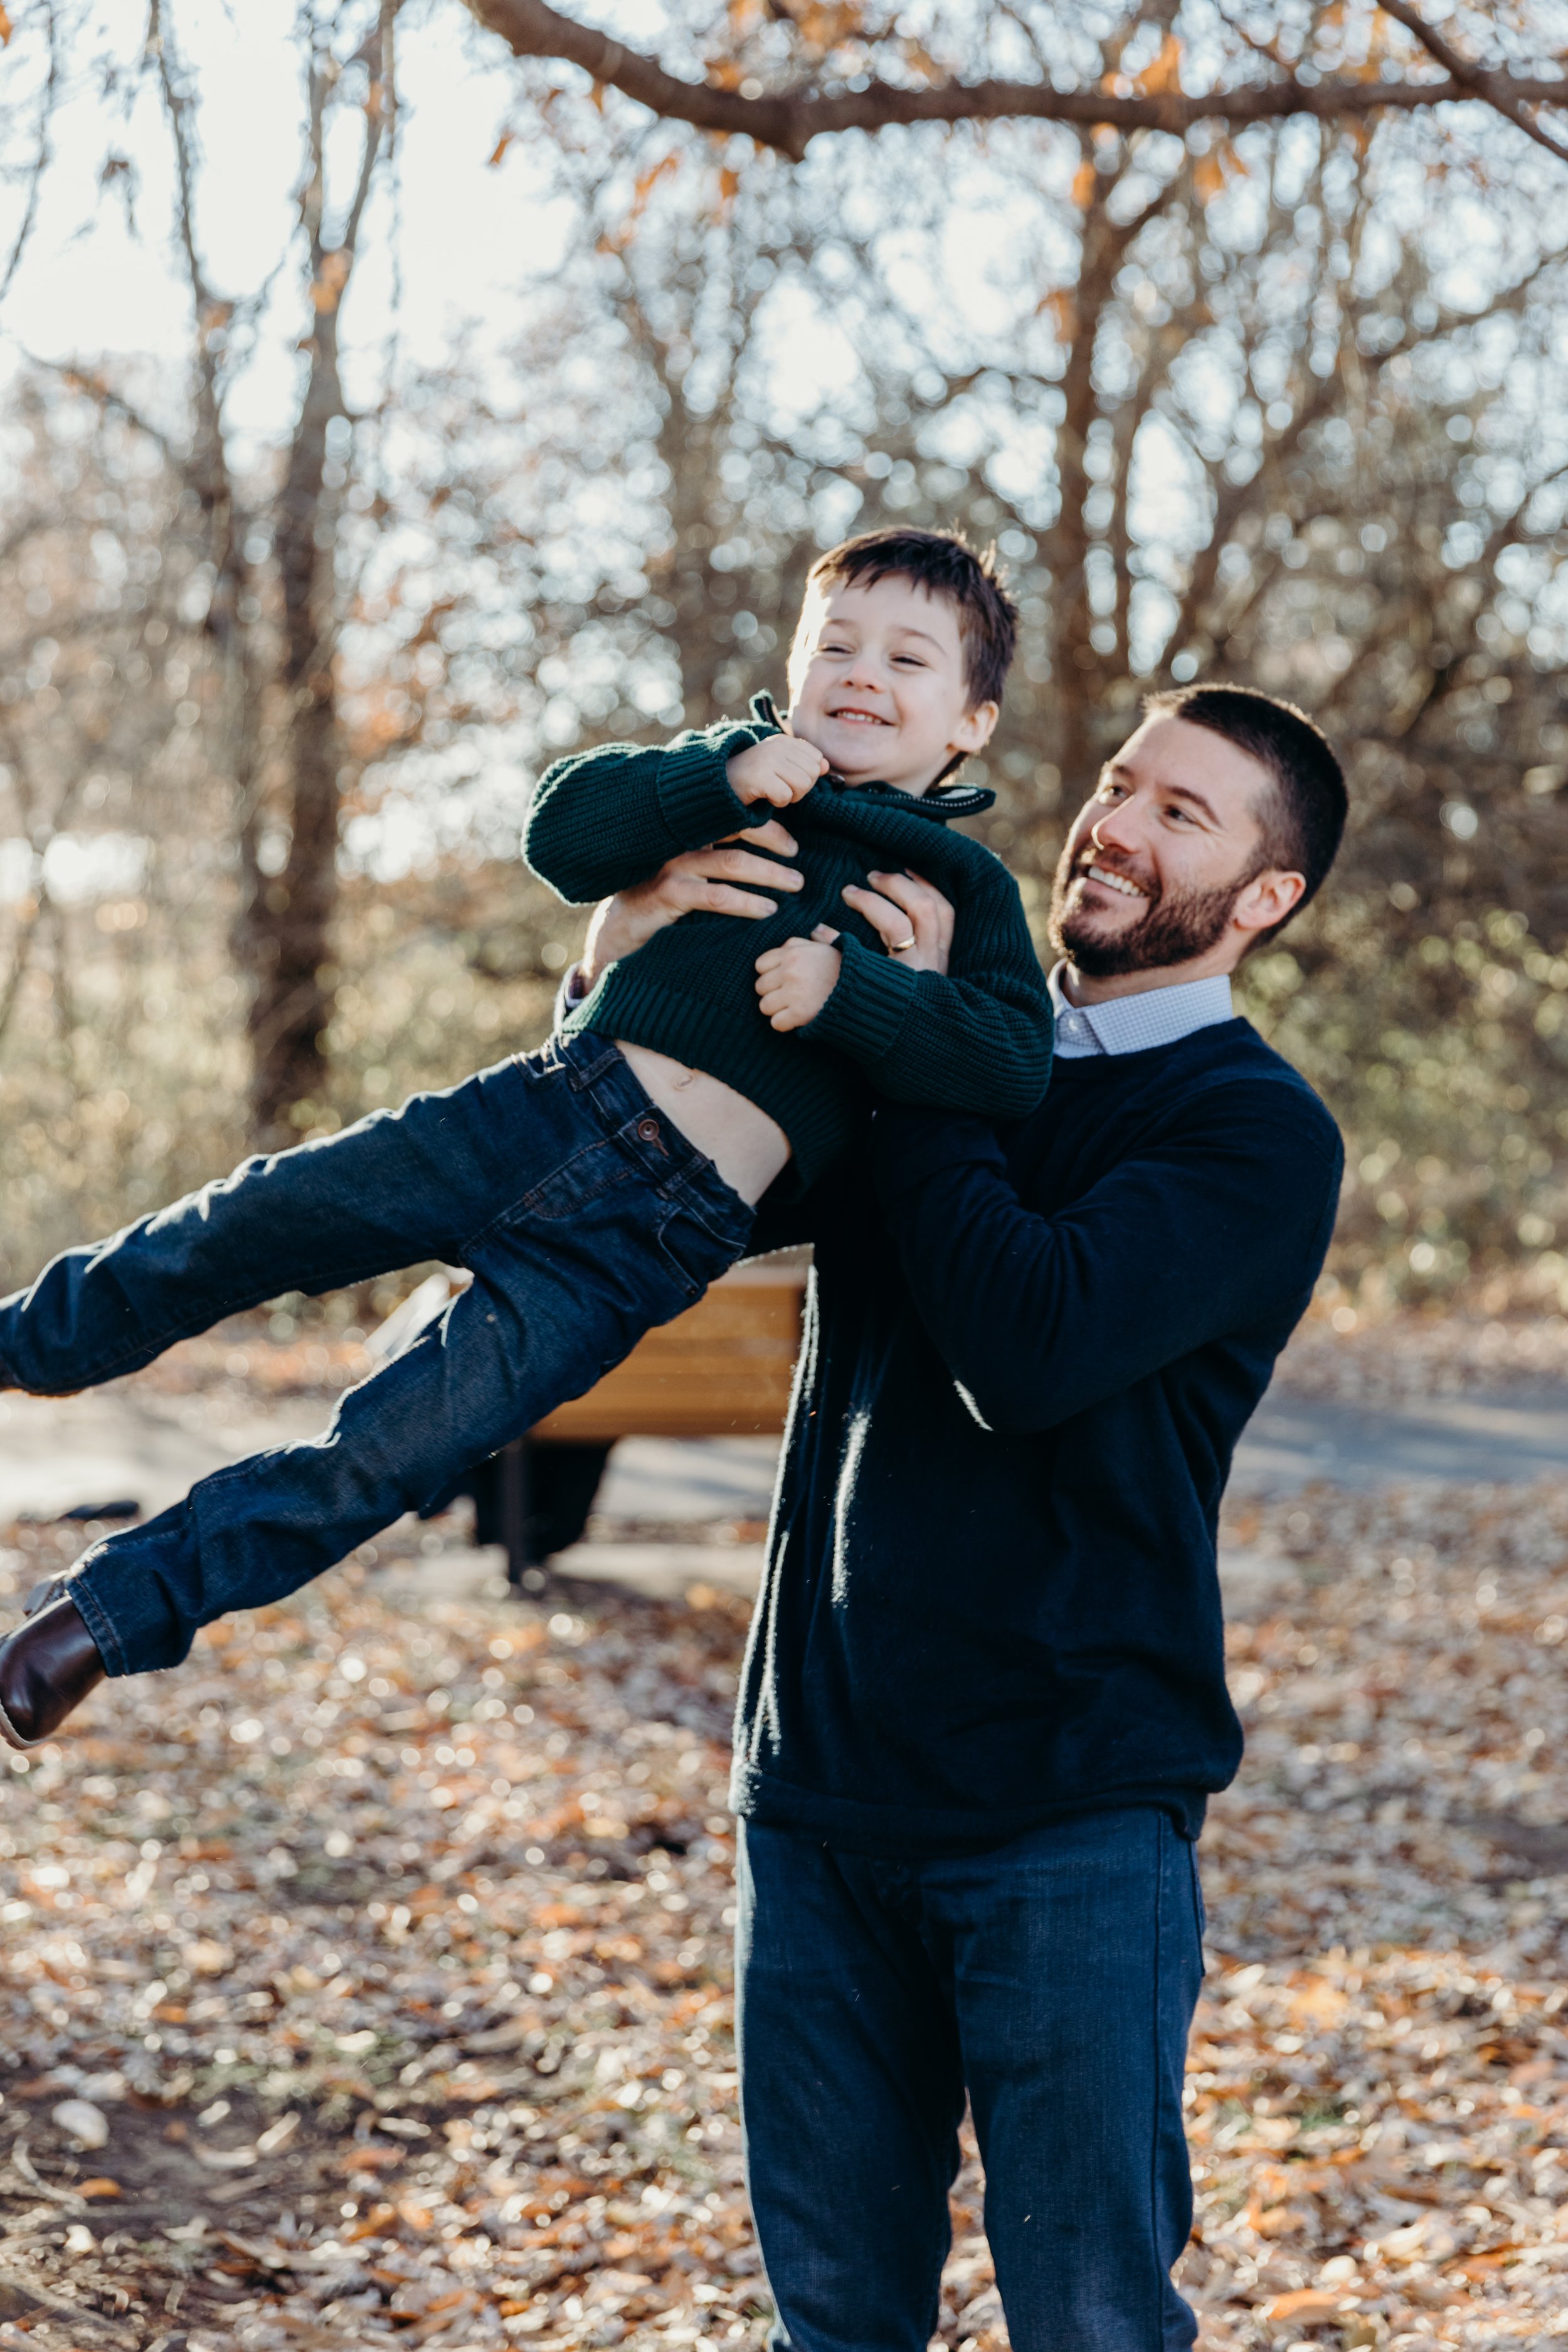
12 1737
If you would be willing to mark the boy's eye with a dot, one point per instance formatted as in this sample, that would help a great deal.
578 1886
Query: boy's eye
912 660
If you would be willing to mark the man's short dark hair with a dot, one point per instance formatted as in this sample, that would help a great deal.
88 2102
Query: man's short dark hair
944 565
1304 818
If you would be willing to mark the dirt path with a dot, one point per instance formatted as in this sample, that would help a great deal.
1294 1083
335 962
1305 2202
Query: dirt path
131 1442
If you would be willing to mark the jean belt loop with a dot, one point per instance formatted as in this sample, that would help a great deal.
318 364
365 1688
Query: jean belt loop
588 1058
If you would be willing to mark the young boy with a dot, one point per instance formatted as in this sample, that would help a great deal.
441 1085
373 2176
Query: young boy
596 1186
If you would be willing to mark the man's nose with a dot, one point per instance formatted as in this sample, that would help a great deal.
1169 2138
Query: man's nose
1118 829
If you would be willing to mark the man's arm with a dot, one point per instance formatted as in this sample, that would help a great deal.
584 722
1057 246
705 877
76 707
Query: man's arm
1039 1317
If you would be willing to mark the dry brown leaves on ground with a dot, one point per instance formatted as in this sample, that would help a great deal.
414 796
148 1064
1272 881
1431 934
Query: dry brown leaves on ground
1378 2083
1403 1357
389 1939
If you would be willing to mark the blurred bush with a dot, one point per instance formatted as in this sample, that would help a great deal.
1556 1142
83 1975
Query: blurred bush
1442 1056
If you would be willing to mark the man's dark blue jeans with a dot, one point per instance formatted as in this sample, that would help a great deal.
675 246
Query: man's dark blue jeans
584 1217
1054 1979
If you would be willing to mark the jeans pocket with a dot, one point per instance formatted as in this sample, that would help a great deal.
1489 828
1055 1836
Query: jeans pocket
596 1170
695 1252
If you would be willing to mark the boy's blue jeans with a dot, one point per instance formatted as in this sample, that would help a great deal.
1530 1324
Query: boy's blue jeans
584 1216
1054 1979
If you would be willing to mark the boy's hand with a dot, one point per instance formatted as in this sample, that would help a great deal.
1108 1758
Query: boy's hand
780 769
794 981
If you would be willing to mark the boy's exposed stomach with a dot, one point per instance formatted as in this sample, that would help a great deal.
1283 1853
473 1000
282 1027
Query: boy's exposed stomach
748 1148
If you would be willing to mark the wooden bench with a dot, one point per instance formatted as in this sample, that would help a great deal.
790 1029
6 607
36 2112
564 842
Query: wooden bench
721 1369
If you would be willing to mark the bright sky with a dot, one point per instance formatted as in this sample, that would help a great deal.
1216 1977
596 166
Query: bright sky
470 235
451 269
91 286
468 242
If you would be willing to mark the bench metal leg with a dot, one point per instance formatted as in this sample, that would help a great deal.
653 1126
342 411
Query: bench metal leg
544 1493
533 1496
516 1500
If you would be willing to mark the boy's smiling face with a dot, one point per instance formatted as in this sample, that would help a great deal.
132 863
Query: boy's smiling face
877 683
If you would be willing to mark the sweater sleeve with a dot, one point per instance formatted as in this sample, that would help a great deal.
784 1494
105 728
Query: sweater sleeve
607 819
976 1038
1198 1234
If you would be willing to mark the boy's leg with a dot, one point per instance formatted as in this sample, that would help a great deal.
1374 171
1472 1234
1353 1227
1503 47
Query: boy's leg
397 1187
1076 1958
851 2093
625 1230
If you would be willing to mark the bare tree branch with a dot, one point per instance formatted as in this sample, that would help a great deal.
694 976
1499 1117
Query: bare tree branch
376 121
42 157
1480 80
161 41
787 121
91 381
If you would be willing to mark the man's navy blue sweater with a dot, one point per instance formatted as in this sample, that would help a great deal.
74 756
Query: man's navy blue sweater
991 1597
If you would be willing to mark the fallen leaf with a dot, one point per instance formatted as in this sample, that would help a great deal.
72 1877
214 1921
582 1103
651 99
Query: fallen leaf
206 1958
87 2125
1305 2305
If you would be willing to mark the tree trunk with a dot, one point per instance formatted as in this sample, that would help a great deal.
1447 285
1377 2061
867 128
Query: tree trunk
288 922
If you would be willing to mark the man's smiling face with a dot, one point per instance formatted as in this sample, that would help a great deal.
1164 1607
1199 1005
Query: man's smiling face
1165 866
878 683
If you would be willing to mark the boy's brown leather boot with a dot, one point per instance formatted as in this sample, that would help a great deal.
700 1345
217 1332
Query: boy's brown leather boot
47 1667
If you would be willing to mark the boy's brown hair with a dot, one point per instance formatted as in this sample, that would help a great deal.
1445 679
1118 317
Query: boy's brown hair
944 565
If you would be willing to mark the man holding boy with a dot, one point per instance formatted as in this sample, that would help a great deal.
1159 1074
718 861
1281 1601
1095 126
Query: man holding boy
986 1702
596 1186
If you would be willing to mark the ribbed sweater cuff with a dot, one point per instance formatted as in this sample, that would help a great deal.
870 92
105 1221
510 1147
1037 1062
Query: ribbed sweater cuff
695 801
870 1005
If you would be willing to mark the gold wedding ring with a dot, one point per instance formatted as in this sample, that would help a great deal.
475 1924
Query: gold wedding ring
902 947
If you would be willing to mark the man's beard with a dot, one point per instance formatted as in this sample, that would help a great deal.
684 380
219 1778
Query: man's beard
1174 929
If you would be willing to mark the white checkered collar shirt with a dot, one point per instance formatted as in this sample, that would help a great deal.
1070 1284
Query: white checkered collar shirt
1131 1024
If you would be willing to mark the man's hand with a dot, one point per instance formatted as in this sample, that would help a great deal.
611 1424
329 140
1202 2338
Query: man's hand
780 769
794 981
706 878
913 920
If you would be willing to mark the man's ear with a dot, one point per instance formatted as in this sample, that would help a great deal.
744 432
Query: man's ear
976 727
1267 898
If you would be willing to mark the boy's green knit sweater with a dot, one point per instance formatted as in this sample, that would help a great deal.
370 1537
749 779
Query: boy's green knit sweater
977 1038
